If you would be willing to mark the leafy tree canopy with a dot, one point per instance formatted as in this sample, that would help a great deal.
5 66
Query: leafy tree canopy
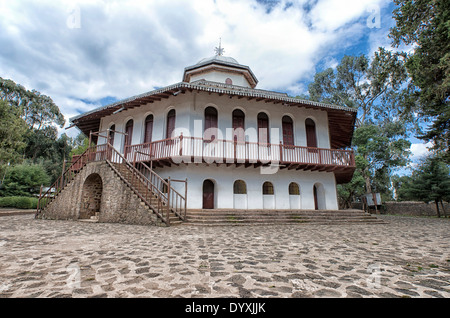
425 24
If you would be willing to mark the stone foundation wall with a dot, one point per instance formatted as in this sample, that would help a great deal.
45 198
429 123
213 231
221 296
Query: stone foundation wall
415 208
118 203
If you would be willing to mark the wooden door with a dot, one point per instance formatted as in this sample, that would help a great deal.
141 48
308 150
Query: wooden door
263 128
316 203
208 194
148 129
128 136
210 133
112 131
239 134
170 124
311 138
238 126
288 131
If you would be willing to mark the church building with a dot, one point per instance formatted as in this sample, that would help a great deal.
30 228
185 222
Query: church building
216 141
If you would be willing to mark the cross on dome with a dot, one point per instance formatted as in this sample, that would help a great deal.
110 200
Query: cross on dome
219 50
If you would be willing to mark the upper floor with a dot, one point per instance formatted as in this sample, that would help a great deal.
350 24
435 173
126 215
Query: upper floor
217 113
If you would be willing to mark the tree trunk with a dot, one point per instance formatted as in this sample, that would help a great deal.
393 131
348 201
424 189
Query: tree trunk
443 209
437 208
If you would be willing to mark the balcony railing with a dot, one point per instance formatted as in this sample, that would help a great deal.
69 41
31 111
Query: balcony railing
197 150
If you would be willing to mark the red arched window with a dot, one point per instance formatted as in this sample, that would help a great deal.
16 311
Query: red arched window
263 128
288 131
228 81
148 129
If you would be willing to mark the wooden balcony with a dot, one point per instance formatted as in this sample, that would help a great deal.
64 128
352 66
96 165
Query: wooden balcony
192 150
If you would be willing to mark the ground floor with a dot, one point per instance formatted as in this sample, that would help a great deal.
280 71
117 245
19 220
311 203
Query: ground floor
406 257
221 187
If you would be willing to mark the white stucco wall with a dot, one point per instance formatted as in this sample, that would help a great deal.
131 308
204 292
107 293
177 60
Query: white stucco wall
190 109
224 178
220 77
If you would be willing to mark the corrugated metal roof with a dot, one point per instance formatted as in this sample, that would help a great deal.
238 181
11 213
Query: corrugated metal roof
219 88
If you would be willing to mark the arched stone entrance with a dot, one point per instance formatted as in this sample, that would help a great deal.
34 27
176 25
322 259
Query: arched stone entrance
91 196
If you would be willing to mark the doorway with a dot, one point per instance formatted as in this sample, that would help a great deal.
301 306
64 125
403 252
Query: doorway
91 197
208 194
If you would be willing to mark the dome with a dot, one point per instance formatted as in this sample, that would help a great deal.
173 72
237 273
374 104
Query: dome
221 69
217 58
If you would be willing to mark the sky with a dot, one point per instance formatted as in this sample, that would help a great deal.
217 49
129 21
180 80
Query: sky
89 53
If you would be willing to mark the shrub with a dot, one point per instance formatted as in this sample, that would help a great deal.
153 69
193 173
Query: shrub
19 202
23 180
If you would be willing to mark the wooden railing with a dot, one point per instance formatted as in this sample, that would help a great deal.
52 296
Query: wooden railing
160 195
167 198
197 150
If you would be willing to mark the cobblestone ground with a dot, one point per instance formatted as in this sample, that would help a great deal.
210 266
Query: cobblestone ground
408 257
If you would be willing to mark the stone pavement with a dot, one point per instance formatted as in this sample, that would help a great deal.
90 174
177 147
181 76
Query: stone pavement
408 257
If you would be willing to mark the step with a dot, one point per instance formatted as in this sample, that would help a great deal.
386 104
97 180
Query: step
265 217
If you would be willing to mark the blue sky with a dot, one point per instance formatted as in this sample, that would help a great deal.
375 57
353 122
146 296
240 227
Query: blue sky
88 53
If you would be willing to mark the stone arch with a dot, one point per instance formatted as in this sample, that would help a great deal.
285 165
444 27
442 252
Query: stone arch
91 197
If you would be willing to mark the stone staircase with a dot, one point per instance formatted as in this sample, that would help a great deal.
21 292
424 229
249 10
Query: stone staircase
142 191
220 217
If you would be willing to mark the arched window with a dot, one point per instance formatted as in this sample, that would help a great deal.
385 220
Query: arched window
210 132
111 134
238 125
239 187
288 131
129 134
294 189
170 123
268 188
263 128
228 81
311 137
148 130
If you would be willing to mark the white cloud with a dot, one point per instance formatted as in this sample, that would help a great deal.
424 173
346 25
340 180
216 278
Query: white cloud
420 150
122 48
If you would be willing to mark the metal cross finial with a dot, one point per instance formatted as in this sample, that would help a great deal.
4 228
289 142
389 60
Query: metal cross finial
219 50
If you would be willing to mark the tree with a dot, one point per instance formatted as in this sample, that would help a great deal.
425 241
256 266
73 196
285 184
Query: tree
34 118
79 145
360 83
37 110
430 182
425 24
12 130
375 88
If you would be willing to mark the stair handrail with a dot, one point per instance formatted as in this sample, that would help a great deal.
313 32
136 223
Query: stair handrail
177 201
163 201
